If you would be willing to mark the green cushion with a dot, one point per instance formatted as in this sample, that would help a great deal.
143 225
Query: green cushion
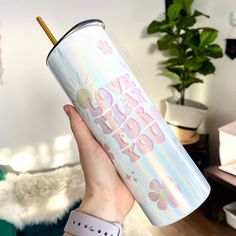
1 175
6 228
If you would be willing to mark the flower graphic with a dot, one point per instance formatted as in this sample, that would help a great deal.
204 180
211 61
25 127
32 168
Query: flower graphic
164 193
104 47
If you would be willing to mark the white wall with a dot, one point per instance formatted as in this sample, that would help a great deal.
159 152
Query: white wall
32 122
219 90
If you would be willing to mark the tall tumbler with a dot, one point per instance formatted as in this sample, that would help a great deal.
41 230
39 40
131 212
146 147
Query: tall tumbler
153 164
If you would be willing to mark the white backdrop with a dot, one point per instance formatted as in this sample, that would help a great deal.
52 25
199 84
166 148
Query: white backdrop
34 131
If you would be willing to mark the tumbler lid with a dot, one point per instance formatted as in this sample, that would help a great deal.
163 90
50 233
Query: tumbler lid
81 25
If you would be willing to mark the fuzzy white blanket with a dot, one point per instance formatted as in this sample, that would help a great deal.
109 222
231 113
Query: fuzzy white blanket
31 198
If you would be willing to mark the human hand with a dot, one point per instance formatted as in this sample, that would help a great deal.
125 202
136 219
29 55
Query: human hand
106 195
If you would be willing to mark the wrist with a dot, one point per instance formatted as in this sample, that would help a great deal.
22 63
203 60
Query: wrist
82 224
103 208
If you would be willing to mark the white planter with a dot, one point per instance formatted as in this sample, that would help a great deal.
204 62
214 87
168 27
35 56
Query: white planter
227 149
189 116
185 120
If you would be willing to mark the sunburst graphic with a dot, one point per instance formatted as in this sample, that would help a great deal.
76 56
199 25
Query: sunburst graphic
79 86
82 97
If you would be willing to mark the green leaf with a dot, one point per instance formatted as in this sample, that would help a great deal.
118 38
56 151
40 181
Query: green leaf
186 83
188 4
172 61
171 74
174 10
185 22
174 51
178 50
213 51
198 13
177 69
207 68
191 80
194 64
192 37
207 36
166 42
178 87
158 26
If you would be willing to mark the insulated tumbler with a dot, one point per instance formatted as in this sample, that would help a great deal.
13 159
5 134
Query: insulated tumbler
153 164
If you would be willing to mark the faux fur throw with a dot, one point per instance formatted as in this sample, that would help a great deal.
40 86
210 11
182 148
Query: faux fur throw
32 198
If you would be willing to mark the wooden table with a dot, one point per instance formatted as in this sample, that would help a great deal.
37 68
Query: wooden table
223 188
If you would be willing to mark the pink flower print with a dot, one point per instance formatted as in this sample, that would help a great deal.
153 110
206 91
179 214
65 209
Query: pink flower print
162 193
104 47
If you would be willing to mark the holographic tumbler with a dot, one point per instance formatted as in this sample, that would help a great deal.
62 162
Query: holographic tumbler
153 164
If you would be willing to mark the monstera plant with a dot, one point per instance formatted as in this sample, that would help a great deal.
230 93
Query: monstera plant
190 51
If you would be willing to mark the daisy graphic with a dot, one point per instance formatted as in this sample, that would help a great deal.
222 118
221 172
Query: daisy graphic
163 193
104 47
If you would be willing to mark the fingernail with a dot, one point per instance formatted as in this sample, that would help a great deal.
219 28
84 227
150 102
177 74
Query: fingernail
66 109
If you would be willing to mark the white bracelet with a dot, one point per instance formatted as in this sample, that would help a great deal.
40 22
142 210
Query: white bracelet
80 224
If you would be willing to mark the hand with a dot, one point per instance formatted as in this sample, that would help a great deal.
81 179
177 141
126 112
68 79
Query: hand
106 195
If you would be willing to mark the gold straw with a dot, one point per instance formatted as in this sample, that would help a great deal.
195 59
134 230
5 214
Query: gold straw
46 30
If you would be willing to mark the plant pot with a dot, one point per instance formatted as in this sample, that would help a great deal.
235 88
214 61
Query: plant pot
185 119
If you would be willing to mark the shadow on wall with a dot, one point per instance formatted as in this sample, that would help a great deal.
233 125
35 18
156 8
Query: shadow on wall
41 156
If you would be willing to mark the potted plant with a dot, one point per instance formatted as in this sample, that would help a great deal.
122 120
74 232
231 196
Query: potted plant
190 50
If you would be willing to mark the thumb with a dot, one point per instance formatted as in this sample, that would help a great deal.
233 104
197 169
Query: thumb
82 134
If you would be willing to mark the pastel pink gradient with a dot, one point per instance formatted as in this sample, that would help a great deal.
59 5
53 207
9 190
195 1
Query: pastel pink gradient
104 47
162 193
